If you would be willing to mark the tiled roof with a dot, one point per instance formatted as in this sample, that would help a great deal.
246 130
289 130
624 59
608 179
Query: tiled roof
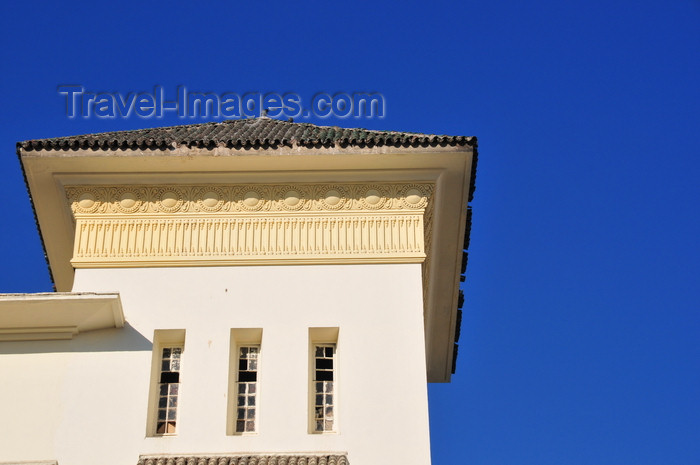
235 459
259 132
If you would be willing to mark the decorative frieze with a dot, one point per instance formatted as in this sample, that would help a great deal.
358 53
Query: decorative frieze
236 459
248 224
248 238
248 198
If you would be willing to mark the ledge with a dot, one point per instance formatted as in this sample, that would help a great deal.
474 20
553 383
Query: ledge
32 462
61 315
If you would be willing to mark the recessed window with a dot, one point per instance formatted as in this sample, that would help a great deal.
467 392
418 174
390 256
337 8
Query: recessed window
168 390
164 394
323 383
247 388
243 411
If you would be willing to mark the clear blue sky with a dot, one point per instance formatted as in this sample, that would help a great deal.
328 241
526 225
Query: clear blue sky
580 342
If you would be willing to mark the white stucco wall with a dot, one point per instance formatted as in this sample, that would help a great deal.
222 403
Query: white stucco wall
85 401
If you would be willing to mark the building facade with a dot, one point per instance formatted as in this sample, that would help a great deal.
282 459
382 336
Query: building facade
244 292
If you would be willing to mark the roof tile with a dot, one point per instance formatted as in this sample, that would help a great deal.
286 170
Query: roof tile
267 132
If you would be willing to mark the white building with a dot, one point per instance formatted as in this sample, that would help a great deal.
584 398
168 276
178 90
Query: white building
245 292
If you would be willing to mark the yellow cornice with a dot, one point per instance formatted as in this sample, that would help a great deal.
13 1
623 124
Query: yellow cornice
253 224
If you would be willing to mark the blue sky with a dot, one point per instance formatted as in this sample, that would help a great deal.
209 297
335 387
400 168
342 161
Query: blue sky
580 336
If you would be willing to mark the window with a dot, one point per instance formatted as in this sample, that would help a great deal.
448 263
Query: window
246 388
323 380
243 415
164 396
168 390
324 355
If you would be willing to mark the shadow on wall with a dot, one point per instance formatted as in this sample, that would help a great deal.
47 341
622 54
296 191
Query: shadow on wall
124 339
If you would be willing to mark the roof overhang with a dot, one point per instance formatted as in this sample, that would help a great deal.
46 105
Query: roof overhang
449 168
45 316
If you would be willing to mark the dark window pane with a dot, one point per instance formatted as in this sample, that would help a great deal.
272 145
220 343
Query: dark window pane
242 365
324 375
240 426
324 364
329 351
247 376
170 377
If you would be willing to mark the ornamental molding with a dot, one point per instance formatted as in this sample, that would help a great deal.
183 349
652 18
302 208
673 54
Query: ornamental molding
187 199
204 225
179 241
273 459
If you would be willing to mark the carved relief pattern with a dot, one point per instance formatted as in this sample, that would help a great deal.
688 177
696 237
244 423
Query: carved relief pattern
248 198
139 225
252 237
331 459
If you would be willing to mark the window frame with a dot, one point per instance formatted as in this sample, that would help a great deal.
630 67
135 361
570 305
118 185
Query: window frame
323 337
243 337
246 408
169 395
163 339
323 388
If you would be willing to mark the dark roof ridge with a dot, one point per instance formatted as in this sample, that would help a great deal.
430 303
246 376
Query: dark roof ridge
262 132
